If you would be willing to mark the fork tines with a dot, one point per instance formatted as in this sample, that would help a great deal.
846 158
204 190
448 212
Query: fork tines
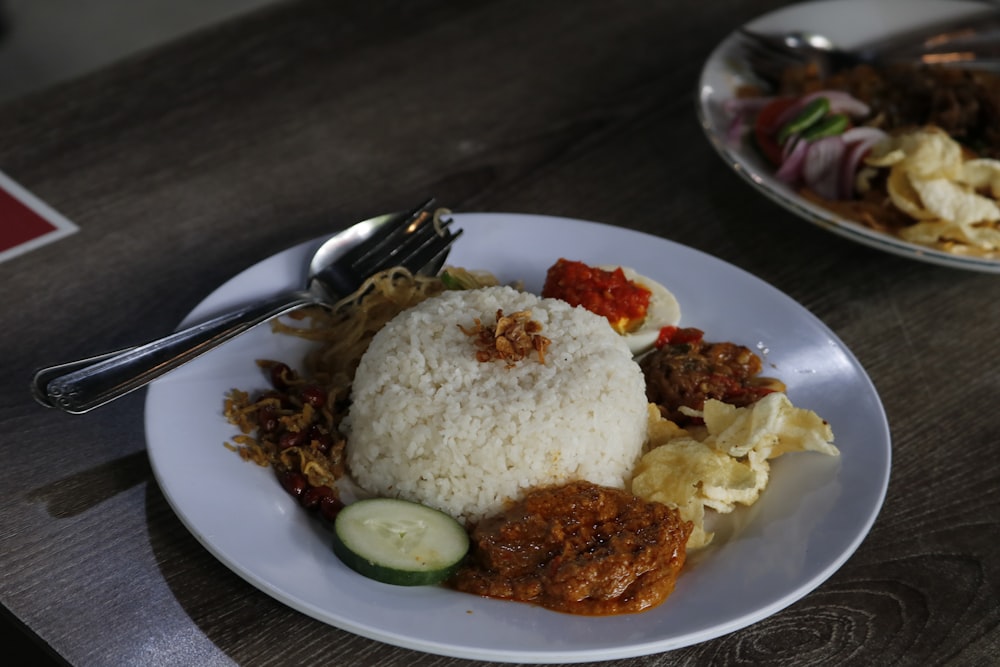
412 239
424 251
384 238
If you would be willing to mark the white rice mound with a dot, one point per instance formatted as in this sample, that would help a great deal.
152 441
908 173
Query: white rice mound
431 424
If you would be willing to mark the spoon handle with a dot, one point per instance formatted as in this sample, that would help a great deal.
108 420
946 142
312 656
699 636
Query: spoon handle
80 386
967 41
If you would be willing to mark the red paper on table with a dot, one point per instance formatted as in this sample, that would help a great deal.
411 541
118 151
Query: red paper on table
26 222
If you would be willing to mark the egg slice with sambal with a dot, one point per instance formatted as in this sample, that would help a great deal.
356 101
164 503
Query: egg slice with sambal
637 307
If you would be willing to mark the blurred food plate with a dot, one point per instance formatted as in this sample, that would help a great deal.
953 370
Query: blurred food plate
847 23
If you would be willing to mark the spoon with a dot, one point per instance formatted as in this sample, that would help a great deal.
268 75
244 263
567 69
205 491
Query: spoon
970 41
417 240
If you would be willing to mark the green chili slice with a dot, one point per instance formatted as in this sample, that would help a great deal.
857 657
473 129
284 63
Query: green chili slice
828 127
811 114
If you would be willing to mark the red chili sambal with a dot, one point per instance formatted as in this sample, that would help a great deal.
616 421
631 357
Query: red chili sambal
580 549
608 293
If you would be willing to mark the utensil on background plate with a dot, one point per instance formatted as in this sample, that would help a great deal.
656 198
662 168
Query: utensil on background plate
972 41
417 240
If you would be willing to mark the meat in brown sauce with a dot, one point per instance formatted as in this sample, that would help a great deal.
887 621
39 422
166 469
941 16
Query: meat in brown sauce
578 548
685 371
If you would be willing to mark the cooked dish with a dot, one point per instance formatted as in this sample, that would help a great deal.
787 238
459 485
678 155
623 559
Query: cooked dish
821 135
522 419
965 103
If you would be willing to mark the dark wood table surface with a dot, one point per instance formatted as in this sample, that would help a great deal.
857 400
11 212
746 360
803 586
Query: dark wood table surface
189 163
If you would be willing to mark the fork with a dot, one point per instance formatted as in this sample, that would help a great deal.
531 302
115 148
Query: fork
972 41
415 240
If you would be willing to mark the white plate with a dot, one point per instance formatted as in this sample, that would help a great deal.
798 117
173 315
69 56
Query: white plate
848 23
809 521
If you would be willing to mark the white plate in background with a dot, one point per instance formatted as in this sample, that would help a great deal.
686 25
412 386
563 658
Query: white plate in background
848 23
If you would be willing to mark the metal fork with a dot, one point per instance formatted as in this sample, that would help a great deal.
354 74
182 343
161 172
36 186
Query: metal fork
413 239
972 41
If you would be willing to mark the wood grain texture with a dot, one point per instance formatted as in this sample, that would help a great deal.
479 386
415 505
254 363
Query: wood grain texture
187 164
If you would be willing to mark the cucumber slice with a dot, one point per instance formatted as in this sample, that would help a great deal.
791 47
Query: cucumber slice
399 542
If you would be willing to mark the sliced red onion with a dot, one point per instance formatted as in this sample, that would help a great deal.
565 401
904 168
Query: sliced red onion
821 168
790 171
849 168
860 141
745 105
863 133
740 111
786 116
841 102
737 125
789 146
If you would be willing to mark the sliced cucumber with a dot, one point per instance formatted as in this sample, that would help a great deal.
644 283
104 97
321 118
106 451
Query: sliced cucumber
399 542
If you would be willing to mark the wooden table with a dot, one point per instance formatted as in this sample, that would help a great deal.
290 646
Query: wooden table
190 163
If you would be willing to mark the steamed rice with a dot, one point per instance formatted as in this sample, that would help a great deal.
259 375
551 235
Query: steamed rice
431 424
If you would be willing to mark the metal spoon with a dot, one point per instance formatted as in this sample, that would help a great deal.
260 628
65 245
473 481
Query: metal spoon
337 268
971 41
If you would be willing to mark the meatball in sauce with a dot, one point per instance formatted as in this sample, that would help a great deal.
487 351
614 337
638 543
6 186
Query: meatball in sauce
684 370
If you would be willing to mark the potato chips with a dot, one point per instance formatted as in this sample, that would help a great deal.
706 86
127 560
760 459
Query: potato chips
728 465
952 198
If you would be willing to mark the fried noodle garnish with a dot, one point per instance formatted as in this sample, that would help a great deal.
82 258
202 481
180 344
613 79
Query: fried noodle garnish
294 426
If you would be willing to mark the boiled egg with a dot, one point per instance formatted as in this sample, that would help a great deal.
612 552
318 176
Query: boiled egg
663 311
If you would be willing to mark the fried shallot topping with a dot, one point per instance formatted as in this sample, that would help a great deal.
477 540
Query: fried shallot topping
512 339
